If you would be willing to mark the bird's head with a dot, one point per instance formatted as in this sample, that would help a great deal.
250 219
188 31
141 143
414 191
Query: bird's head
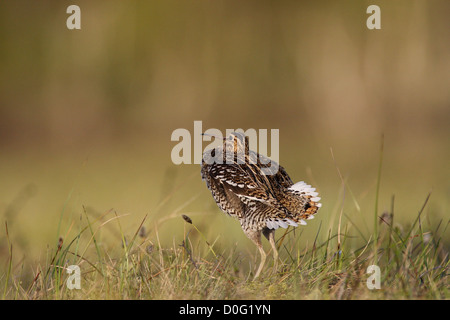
236 143
235 147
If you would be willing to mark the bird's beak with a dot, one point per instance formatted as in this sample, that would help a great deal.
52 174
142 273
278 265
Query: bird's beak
211 135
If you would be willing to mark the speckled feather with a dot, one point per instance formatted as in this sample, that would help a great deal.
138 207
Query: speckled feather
243 191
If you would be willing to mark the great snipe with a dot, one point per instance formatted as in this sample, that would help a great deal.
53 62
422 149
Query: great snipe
261 202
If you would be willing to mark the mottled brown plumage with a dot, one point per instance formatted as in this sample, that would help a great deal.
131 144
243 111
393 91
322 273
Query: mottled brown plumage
256 191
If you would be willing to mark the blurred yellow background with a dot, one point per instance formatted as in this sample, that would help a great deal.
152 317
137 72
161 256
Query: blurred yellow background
86 115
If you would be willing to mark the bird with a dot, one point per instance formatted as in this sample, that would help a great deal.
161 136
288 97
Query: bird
244 187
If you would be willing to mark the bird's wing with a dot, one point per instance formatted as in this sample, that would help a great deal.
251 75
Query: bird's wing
244 182
241 181
278 173
282 178
243 191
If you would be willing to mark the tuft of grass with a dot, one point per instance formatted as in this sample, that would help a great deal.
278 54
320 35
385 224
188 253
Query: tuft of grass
414 265
377 194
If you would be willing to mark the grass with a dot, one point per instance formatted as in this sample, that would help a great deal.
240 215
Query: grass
331 264
413 264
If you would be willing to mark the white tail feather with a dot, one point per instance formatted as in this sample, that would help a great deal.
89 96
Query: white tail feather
276 223
301 188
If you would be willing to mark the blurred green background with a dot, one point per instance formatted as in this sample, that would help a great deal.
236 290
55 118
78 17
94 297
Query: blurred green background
86 115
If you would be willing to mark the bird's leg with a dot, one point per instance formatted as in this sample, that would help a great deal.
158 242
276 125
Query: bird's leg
270 235
255 236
